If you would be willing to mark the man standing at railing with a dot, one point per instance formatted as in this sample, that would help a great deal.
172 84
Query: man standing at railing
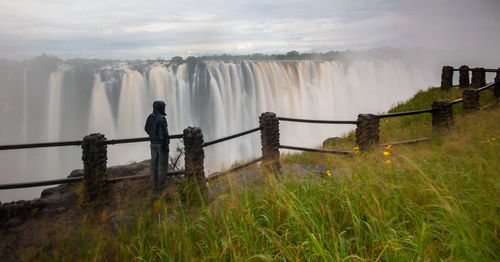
157 129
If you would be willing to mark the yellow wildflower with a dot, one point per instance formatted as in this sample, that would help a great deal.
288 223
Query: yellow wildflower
328 173
356 148
388 147
388 161
493 138
386 153
387 121
355 175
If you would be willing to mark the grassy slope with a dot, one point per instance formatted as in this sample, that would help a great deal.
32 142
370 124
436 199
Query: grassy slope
434 200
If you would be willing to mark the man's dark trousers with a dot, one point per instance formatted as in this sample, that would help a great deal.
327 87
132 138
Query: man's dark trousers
159 164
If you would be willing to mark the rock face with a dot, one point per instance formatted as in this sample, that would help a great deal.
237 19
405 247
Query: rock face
478 77
463 79
40 223
94 165
442 115
471 100
367 131
194 156
447 78
270 137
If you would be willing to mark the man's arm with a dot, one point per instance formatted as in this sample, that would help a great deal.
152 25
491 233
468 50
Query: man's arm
163 132
149 126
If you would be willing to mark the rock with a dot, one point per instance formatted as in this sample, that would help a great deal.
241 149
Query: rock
330 141
14 222
27 205
48 192
76 173
126 170
60 210
37 202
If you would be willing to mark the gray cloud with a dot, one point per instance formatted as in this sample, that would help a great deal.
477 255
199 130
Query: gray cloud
133 29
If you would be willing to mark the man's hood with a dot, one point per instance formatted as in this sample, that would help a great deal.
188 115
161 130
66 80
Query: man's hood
159 107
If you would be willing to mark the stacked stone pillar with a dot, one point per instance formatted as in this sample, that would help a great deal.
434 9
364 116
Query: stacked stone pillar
470 100
496 89
478 77
442 115
367 131
447 78
194 157
94 165
463 78
270 139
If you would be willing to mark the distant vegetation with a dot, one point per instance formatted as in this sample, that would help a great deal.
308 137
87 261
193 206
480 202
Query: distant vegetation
292 55
383 52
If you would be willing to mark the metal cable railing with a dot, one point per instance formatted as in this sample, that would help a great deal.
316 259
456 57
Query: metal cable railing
317 121
219 174
79 143
231 137
405 113
317 150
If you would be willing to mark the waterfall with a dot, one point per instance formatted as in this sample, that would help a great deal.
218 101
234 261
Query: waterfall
54 110
101 115
222 98
131 111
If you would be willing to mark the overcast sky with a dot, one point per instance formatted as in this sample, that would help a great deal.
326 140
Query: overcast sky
126 29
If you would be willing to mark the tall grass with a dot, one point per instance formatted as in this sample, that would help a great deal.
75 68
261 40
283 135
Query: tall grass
438 200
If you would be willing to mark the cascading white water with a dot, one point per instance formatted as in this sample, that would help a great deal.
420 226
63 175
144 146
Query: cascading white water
101 115
54 110
222 98
131 109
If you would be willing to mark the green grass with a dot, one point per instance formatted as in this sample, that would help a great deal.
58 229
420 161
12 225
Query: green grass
434 201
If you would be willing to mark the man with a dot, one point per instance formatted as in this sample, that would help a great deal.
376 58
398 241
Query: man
156 127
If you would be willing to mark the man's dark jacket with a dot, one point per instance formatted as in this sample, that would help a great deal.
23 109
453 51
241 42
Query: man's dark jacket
156 125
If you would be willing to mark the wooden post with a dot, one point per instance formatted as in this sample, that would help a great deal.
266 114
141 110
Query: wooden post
463 79
94 158
447 78
478 77
270 140
367 131
442 115
470 100
194 157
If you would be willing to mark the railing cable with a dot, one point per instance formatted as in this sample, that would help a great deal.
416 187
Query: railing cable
317 121
317 150
231 137
79 142
405 113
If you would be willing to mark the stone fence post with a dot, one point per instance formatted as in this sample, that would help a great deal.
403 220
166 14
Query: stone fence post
463 78
194 157
270 140
496 90
442 115
447 78
367 131
478 77
470 100
94 158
